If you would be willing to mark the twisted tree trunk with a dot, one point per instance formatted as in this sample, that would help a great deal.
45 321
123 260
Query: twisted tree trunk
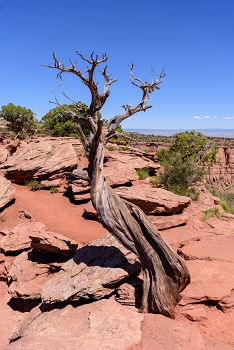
165 272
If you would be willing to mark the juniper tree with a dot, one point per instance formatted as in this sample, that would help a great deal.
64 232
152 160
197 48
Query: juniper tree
165 274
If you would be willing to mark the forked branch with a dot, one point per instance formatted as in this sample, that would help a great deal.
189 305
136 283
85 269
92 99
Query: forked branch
146 88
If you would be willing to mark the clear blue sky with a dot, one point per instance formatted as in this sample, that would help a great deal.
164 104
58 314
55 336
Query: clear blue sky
192 39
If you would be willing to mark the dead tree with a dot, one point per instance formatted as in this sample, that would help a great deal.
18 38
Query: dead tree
165 273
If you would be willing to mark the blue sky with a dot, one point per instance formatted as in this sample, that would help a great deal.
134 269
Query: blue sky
193 40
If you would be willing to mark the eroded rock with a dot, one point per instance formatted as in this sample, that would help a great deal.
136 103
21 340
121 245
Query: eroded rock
94 272
40 160
211 281
29 272
153 200
50 242
7 192
17 239
103 325
120 167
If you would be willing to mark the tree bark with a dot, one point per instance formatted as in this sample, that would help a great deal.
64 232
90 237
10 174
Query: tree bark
165 273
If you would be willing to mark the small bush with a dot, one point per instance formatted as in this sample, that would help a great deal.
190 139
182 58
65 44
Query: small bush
111 148
33 184
226 198
2 219
143 173
155 181
211 213
53 189
126 148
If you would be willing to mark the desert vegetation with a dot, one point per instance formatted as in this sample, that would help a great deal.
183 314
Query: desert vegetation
186 161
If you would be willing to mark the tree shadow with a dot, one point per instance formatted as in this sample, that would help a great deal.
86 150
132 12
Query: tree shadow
106 257
23 305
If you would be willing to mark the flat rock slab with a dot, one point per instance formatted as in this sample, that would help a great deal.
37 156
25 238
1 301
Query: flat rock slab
162 333
33 234
29 272
4 154
94 272
120 167
168 221
209 248
17 239
51 242
7 192
40 160
211 281
103 325
154 200
221 226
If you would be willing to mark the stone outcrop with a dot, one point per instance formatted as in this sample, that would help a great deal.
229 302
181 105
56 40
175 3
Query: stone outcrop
211 265
40 160
50 242
223 169
165 222
102 325
4 154
35 235
120 167
94 272
17 239
29 272
162 333
7 192
154 200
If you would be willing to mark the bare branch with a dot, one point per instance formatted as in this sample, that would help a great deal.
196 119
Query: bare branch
146 88
108 81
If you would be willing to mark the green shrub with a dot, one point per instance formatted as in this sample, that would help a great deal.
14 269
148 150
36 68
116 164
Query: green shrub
226 198
2 219
33 184
154 180
185 161
211 213
126 148
143 173
111 148
53 189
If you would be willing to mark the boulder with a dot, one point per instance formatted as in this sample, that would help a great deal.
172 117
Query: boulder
209 248
17 239
102 325
4 154
194 313
211 281
51 242
89 211
131 292
80 189
162 333
154 200
35 235
93 273
40 160
168 221
7 192
29 272
120 167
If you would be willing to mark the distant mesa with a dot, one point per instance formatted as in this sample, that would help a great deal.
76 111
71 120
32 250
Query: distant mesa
227 133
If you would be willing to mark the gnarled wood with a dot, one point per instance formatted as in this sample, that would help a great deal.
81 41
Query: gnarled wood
165 272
